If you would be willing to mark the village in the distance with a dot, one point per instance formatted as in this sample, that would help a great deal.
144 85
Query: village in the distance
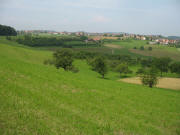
152 39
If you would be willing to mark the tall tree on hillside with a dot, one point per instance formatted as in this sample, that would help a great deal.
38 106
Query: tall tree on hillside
149 77
63 59
99 65
162 64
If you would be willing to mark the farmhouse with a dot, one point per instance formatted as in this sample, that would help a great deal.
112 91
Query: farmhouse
143 38
173 41
152 42
139 37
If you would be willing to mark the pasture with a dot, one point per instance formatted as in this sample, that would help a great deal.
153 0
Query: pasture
157 50
40 99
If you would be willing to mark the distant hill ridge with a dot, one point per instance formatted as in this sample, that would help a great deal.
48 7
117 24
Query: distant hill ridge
174 37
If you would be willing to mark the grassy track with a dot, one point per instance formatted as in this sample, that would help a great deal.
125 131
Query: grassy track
39 99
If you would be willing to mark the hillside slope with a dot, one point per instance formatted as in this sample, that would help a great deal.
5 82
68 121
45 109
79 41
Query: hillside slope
39 99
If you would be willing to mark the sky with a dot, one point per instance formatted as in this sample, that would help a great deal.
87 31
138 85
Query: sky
130 16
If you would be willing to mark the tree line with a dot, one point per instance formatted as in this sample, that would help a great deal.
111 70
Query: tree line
40 41
7 31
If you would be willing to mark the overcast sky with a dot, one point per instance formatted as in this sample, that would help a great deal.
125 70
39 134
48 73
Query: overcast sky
132 16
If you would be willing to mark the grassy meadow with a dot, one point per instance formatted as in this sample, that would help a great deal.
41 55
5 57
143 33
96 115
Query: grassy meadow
127 46
38 99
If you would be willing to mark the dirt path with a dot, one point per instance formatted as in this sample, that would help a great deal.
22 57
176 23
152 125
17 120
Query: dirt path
169 83
113 46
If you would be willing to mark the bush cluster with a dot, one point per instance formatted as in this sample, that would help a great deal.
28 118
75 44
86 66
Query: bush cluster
7 31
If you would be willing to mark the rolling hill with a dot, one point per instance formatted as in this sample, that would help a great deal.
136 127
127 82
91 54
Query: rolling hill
174 37
39 99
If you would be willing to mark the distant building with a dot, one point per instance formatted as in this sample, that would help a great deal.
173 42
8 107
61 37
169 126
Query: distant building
173 41
163 41
152 42
139 37
96 38
143 38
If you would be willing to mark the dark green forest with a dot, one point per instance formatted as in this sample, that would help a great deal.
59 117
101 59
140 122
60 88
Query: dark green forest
7 31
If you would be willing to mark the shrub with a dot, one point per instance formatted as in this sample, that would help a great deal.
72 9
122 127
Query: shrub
142 48
63 58
150 48
123 69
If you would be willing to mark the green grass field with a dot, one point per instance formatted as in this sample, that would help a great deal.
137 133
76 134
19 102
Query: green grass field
39 99
157 51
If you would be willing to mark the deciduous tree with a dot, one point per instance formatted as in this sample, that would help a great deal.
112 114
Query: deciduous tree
99 65
149 77
162 64
7 31
175 67
63 58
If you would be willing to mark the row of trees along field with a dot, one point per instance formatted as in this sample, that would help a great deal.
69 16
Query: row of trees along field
143 48
64 41
150 68
7 31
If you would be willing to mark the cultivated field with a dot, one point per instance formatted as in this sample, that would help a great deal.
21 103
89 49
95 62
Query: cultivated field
113 46
168 83
103 37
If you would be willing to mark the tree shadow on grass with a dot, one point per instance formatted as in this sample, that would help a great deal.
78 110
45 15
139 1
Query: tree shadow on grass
105 78
123 76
